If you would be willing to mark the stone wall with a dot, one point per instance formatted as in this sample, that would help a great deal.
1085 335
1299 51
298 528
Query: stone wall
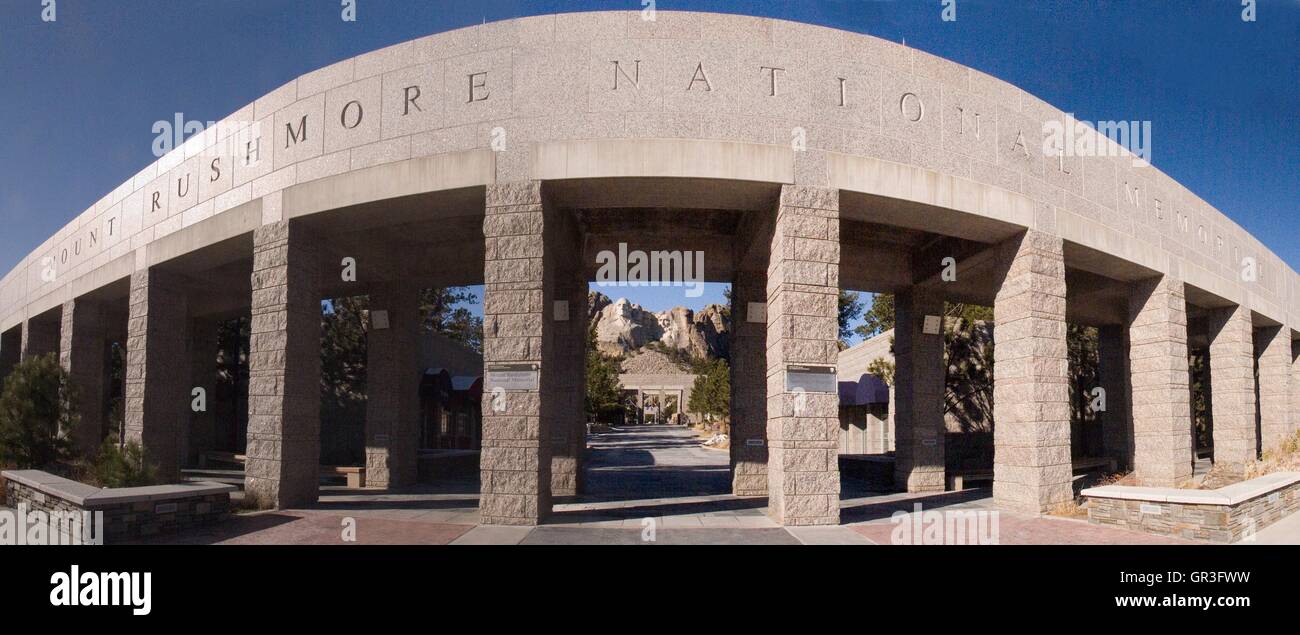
1228 514
129 513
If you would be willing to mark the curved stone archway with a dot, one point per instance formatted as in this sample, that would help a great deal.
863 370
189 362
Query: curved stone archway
847 162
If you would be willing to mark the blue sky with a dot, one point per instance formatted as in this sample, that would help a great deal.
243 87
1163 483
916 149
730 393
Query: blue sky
80 95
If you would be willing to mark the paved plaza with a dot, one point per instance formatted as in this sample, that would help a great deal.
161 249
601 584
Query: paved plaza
648 485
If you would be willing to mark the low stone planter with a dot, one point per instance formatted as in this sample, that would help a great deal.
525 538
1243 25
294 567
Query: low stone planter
129 512
1225 515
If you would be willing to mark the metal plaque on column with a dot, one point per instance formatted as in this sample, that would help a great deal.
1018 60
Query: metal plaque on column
810 378
511 377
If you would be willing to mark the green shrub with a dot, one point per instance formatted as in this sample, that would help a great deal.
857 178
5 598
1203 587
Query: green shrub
37 415
122 465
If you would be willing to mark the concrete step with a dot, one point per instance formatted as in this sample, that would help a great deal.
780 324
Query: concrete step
1201 467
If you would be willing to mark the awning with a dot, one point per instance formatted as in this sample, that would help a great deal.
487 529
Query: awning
866 391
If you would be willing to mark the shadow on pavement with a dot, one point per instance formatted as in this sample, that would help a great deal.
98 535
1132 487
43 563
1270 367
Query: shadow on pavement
856 512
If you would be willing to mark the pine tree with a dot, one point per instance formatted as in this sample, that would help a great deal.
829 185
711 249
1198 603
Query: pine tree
604 393
37 414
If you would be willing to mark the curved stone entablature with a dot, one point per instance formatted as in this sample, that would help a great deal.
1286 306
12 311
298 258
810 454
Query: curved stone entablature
688 95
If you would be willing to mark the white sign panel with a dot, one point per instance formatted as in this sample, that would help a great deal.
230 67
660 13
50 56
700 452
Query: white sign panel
806 378
933 325
511 377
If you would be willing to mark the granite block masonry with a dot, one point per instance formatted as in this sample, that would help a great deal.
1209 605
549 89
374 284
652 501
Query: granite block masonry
1159 382
392 405
284 369
1031 470
802 329
1232 376
157 369
82 354
480 156
749 450
516 462
920 375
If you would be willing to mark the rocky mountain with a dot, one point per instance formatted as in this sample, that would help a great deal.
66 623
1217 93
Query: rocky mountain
651 362
623 327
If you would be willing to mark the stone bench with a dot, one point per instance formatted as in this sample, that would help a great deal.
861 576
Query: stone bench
1227 514
128 512
957 480
356 475
1083 465
225 458
877 467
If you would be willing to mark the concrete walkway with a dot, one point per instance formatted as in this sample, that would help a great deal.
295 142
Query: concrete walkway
1282 532
657 484
645 462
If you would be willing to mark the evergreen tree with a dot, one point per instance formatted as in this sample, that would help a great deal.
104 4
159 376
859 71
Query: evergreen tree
604 393
711 392
879 318
37 414
850 307
343 351
442 311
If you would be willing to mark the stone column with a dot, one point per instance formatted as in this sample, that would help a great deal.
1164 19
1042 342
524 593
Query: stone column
157 373
515 464
1160 382
919 377
1274 352
748 344
1031 433
802 328
568 437
393 387
1232 371
81 353
283 468
1114 370
40 337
